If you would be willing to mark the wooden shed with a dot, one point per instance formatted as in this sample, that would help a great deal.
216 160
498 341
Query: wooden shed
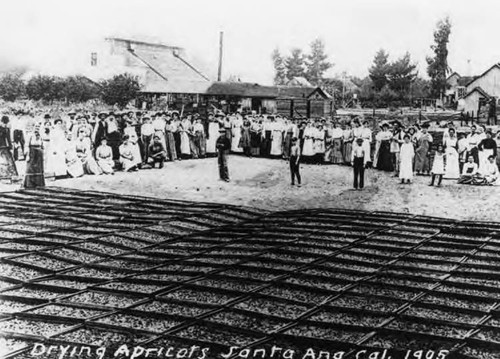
320 104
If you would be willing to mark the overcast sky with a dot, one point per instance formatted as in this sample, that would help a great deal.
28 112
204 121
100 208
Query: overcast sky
50 34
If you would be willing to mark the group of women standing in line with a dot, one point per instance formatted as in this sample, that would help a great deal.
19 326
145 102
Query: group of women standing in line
408 152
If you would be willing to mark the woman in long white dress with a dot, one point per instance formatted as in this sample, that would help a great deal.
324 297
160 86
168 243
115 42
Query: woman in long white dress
308 148
213 134
406 156
185 145
452 166
104 156
56 159
276 138
236 124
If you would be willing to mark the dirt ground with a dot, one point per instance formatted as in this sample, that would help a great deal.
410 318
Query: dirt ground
265 183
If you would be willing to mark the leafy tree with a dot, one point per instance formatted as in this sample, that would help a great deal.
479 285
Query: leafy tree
402 73
12 87
45 88
437 65
120 90
294 64
279 67
80 89
420 88
316 62
379 71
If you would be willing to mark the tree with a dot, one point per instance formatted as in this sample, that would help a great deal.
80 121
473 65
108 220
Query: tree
402 73
379 70
437 65
45 88
279 67
294 64
80 89
12 87
120 90
316 62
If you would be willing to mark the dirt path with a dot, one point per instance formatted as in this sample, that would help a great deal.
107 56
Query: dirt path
265 183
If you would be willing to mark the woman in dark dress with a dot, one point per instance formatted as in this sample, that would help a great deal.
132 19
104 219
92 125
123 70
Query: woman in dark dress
7 165
34 162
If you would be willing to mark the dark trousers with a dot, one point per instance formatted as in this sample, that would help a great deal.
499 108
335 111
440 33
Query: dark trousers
439 177
294 170
359 172
223 171
177 140
146 141
158 159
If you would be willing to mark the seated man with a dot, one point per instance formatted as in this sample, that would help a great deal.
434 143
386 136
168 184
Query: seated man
469 171
157 152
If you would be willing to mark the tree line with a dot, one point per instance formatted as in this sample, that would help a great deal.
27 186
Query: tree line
389 83
119 90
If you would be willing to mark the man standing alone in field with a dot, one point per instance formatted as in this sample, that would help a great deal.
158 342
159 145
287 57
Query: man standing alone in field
223 146
358 163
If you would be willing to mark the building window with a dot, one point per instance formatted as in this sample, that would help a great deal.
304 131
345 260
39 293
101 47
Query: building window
461 92
93 59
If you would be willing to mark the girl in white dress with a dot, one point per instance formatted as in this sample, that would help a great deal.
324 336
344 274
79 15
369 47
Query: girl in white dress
277 138
438 166
452 167
406 155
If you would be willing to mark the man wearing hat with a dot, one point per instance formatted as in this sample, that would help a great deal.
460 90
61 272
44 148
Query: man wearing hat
358 163
223 146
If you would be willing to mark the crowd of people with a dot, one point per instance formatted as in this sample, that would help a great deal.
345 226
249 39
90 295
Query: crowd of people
78 143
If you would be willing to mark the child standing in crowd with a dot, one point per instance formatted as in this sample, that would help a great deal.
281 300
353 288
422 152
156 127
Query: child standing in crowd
294 162
438 166
406 156
358 163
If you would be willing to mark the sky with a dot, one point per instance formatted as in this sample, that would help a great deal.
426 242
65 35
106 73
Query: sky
53 36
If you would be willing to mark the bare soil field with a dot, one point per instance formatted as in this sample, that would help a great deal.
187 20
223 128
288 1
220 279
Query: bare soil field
264 183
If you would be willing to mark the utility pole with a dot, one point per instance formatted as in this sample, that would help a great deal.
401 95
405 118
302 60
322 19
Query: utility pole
221 40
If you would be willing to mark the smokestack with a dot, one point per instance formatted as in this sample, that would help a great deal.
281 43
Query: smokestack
221 40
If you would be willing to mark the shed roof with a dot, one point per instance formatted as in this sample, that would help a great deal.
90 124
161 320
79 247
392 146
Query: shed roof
495 66
477 89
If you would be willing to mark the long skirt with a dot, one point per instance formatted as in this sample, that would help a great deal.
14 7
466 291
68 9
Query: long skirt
34 169
329 150
75 168
185 147
195 151
114 141
287 143
171 150
422 163
7 165
452 168
337 157
255 141
277 143
265 147
201 144
106 166
213 134
91 167
235 142
384 161
308 149
347 151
